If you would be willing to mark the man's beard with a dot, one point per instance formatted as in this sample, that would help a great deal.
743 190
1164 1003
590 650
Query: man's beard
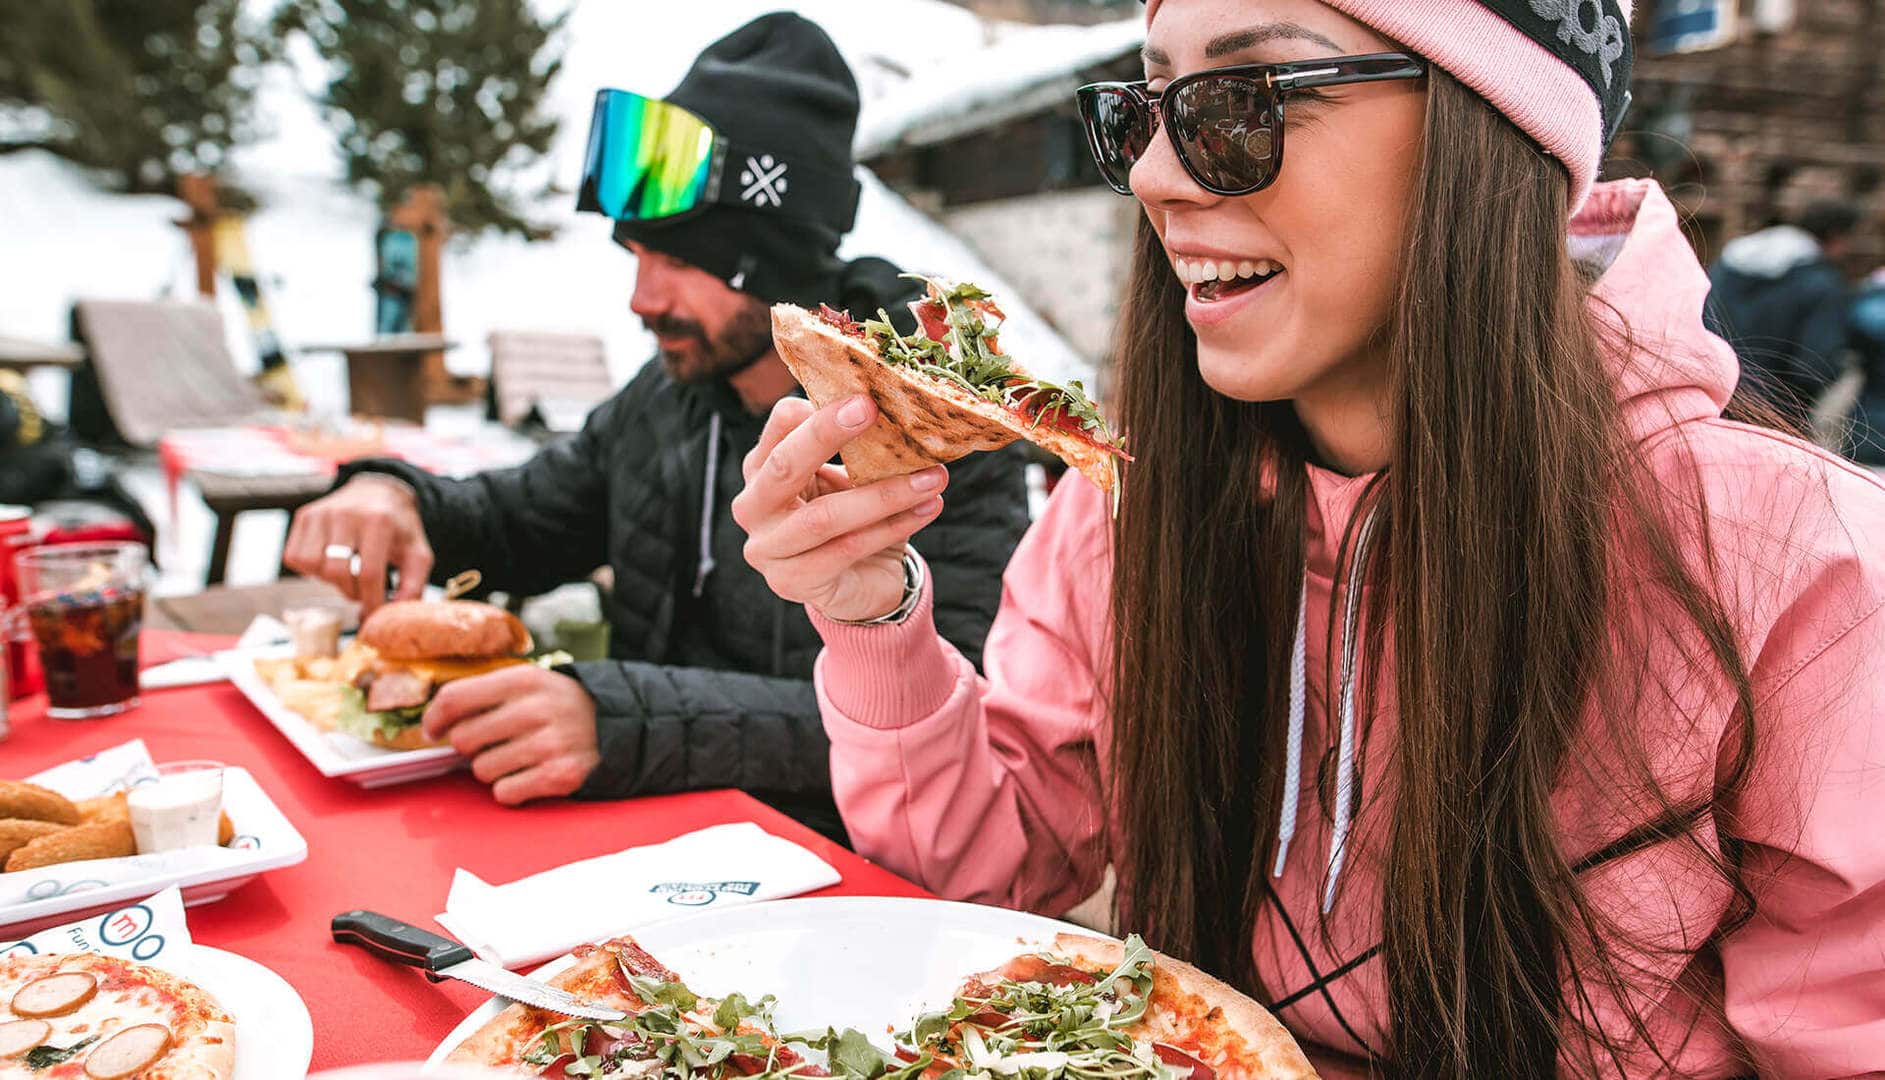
746 337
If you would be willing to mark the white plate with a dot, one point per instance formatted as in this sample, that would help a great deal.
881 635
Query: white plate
871 963
333 753
67 892
274 1034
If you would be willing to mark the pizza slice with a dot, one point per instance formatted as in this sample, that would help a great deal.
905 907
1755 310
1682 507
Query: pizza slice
82 1016
1094 1007
670 1031
942 392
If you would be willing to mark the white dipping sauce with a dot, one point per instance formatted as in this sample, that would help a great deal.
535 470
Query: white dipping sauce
314 631
177 811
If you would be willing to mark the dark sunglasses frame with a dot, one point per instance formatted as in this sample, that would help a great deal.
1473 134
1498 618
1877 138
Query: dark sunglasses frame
1273 82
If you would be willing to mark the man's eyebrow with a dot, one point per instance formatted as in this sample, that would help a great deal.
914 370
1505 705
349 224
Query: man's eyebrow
1237 41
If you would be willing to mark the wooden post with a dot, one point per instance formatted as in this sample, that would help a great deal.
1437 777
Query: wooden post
422 213
198 192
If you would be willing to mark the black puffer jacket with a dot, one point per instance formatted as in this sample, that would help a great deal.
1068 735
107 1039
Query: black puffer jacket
711 681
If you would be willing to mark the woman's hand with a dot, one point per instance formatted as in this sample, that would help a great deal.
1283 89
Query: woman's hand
814 537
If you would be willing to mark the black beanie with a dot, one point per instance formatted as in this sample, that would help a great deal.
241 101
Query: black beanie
778 89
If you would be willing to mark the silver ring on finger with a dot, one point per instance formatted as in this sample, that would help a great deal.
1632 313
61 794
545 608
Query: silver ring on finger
337 551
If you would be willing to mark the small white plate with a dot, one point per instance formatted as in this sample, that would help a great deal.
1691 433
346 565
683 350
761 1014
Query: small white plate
274 1034
333 753
67 892
870 963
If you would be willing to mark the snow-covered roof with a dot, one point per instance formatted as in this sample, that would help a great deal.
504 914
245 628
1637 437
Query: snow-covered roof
1027 71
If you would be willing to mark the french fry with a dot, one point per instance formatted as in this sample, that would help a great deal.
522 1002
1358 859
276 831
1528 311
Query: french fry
102 840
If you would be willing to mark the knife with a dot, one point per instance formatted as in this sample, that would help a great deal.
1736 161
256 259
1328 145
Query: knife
442 958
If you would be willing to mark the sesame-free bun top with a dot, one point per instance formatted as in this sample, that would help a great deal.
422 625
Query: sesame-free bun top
432 629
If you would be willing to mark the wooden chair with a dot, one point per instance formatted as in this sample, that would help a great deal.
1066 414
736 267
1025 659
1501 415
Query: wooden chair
160 365
560 377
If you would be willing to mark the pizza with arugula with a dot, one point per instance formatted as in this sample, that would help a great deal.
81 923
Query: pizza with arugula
1088 1009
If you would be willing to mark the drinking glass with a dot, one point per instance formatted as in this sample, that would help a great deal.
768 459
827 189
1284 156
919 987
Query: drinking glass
86 604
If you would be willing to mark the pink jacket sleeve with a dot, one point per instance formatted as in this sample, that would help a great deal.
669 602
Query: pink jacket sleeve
1805 977
983 788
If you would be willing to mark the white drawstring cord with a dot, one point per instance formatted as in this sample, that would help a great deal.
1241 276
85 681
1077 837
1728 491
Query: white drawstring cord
706 505
1298 705
1345 750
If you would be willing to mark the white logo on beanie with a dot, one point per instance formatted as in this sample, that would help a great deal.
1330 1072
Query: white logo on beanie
1604 39
764 180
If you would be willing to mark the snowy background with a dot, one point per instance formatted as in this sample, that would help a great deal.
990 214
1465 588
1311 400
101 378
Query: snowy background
921 65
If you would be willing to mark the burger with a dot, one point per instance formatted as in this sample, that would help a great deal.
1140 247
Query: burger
418 646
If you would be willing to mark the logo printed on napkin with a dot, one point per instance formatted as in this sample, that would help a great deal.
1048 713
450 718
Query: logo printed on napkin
141 932
545 915
700 894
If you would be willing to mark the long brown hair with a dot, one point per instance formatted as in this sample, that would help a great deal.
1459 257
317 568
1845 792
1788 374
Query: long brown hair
1513 500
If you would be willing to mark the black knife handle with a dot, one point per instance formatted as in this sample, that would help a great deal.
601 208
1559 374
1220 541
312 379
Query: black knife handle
399 942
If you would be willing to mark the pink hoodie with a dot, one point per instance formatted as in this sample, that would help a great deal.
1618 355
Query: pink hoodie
987 789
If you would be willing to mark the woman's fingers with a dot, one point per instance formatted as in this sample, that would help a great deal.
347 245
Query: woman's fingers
786 415
841 513
780 474
812 577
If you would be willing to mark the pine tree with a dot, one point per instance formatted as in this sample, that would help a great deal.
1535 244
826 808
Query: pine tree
143 89
438 91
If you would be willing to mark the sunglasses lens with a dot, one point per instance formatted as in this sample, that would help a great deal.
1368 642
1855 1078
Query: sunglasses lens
646 158
1226 130
1118 127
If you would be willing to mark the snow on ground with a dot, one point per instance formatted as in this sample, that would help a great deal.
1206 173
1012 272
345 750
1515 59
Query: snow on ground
63 238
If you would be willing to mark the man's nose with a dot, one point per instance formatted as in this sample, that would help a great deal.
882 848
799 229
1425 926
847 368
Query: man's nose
650 298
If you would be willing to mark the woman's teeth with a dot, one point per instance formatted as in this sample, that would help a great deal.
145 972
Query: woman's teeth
1210 278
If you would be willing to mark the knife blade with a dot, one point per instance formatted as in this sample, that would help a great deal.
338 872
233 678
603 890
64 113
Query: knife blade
442 958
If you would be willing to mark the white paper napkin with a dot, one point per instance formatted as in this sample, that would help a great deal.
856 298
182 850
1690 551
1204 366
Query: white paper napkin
101 774
533 919
143 931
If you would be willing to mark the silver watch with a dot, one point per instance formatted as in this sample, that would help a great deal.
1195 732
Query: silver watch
912 592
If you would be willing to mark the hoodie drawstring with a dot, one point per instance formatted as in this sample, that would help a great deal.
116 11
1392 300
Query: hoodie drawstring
1292 754
706 505
1345 749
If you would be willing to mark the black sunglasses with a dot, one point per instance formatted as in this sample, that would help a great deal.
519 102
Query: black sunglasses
1226 124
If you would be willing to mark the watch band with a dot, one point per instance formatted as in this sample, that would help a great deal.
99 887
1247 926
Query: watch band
913 577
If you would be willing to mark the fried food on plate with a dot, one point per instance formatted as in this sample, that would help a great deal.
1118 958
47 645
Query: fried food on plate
110 807
16 832
100 840
19 799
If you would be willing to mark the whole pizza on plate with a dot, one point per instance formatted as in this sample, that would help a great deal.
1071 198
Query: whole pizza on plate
82 1015
1086 1008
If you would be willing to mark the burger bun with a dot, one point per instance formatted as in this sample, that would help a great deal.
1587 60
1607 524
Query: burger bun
435 629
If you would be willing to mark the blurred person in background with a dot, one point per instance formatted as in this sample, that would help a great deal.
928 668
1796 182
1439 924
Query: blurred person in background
1779 297
710 681
1868 339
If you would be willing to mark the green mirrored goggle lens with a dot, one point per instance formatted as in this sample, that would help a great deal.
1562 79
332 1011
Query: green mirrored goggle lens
646 159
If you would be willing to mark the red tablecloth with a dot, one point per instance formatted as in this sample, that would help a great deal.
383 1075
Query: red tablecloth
390 850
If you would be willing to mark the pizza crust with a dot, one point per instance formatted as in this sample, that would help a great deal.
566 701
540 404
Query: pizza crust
921 421
502 1040
1268 1051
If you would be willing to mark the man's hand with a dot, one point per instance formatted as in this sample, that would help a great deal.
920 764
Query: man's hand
375 518
530 733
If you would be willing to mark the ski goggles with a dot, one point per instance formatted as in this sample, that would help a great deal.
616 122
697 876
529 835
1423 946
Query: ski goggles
1226 124
652 160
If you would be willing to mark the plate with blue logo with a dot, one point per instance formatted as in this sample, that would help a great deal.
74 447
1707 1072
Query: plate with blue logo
843 961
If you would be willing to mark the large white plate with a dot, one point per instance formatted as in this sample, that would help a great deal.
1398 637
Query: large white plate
871 963
334 754
67 892
274 1034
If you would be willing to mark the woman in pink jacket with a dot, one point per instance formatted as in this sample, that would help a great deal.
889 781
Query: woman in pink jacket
1458 676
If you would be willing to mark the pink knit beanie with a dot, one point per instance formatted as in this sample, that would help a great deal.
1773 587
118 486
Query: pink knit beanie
1559 69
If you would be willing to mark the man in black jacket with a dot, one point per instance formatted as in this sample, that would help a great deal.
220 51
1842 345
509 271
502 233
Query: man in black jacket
709 684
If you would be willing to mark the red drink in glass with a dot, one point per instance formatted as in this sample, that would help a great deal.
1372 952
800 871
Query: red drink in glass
85 603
